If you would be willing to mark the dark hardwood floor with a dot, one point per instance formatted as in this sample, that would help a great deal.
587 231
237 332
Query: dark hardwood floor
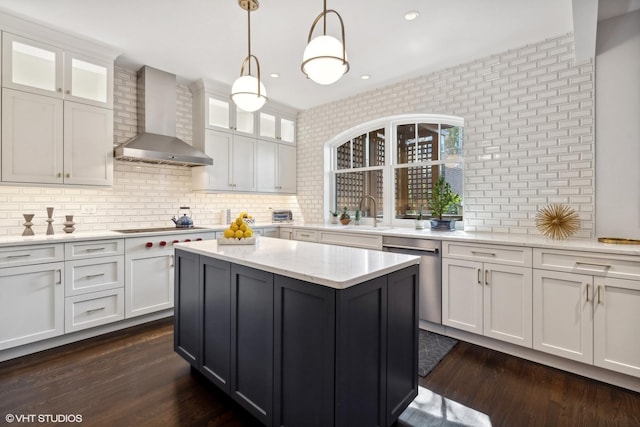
133 378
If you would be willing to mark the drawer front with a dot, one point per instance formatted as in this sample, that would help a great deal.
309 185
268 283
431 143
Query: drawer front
97 308
91 275
307 235
355 240
16 256
93 248
510 255
618 266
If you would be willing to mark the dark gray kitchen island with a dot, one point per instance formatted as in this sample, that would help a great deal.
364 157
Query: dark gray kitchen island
300 333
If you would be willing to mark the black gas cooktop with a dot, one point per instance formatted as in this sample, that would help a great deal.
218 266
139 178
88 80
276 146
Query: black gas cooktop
157 229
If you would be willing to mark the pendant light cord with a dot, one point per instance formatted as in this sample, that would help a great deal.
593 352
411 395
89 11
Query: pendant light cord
249 37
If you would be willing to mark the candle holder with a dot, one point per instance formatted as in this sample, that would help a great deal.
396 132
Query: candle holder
69 224
28 231
49 221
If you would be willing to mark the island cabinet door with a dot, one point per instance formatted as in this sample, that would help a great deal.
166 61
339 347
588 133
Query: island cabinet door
361 354
186 336
304 353
251 377
402 340
215 355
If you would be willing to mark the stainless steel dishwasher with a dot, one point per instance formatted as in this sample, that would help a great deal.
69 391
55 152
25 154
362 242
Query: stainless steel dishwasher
430 272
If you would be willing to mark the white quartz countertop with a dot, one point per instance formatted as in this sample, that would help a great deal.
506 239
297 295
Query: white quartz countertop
589 245
337 267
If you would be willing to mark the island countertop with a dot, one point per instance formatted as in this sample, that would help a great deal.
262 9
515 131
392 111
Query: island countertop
338 267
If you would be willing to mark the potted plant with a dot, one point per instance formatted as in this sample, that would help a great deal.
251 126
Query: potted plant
345 218
334 216
420 219
442 198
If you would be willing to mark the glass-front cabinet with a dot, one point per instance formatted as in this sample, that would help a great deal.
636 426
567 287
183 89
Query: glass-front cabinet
277 126
223 114
37 67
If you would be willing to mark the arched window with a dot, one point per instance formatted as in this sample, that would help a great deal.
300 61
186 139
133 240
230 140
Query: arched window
396 160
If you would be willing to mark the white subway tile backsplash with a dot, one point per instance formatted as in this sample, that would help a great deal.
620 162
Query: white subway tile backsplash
545 125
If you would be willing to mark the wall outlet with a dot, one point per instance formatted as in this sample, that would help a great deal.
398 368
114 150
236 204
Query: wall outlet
89 209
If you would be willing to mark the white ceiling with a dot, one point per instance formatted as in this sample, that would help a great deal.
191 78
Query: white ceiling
208 38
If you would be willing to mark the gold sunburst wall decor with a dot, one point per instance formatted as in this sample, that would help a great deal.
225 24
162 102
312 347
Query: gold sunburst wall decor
557 221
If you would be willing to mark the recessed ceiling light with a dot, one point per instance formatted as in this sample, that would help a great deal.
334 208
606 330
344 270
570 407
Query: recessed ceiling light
411 15
365 77
274 75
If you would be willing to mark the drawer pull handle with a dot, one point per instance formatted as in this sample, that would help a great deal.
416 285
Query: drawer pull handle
483 253
171 262
486 277
605 266
95 249
19 256
91 276
59 282
93 310
587 292
479 279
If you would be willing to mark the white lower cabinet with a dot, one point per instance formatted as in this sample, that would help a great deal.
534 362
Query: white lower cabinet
488 298
149 278
93 309
31 303
587 315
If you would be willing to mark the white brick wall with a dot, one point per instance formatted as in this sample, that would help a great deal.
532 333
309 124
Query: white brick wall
143 195
529 137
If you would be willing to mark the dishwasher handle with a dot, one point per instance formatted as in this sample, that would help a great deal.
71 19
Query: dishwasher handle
411 248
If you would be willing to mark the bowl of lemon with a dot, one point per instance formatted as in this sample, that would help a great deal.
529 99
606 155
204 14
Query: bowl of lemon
239 232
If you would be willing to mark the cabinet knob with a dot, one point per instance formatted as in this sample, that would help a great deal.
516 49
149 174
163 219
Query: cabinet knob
68 175
149 244
60 89
58 175
68 92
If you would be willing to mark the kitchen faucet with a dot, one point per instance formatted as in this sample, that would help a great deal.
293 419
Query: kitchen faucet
375 210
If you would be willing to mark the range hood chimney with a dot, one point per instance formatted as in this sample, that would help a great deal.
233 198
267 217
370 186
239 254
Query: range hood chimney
156 141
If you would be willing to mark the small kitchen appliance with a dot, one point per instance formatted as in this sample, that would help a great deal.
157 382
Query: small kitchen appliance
184 218
281 215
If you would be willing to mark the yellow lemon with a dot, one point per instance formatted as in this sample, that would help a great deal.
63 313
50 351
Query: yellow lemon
243 227
248 233
239 222
228 233
234 227
239 234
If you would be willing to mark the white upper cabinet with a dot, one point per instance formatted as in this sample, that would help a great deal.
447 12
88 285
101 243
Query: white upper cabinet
40 68
277 126
222 114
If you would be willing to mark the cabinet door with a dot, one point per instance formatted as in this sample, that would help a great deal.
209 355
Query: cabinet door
32 138
251 379
31 303
242 164
187 329
218 146
562 314
266 166
286 169
215 277
508 303
616 319
148 283
88 144
402 340
31 66
304 337
361 354
288 130
462 295
88 80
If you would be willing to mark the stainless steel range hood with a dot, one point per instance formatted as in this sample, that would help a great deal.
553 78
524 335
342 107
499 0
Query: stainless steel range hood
156 141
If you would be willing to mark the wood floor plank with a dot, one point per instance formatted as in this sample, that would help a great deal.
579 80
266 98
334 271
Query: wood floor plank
133 378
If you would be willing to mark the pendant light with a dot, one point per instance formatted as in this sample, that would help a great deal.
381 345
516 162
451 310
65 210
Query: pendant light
325 57
247 91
